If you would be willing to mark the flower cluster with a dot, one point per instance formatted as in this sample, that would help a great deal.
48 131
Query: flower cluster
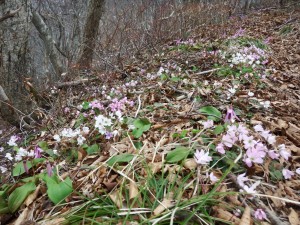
119 105
190 42
69 133
251 56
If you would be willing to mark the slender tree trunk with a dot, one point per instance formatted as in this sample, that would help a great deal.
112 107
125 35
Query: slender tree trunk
95 11
14 59
49 42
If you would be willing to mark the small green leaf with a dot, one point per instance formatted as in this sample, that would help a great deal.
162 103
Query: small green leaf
141 125
85 105
218 129
19 167
43 145
138 144
92 149
178 154
58 190
123 158
212 113
18 196
137 133
175 79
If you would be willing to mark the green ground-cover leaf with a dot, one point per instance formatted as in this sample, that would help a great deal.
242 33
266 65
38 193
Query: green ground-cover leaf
141 125
178 154
58 190
123 158
211 112
17 197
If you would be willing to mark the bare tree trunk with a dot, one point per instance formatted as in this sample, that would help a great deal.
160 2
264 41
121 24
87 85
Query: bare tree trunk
49 43
14 60
95 11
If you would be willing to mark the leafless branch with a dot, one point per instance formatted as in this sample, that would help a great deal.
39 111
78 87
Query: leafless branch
9 15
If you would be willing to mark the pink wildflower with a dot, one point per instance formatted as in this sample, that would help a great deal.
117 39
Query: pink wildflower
207 124
283 152
272 154
241 179
254 155
258 128
25 166
287 174
202 157
213 178
227 140
249 142
49 169
260 214
251 189
220 148
230 115
37 152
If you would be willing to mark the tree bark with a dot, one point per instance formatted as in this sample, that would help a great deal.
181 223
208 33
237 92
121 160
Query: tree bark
48 41
14 60
95 11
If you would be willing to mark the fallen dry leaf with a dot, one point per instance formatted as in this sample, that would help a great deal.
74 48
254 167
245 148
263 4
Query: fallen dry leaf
225 215
246 218
167 203
133 190
116 197
294 217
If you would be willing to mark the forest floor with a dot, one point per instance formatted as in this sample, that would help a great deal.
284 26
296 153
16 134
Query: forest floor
205 131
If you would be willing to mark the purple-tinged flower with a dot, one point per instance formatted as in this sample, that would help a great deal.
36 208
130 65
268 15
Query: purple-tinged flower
228 141
49 169
96 104
80 140
258 128
271 139
230 115
202 157
249 142
37 152
1 149
287 174
254 155
25 166
241 179
12 140
237 212
3 169
265 134
251 189
207 124
298 171
8 156
108 135
67 110
260 214
213 178
273 155
220 148
285 154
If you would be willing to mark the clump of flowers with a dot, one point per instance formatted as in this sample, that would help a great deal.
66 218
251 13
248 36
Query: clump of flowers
251 56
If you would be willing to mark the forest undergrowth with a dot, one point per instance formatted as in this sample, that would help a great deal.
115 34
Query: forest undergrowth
204 131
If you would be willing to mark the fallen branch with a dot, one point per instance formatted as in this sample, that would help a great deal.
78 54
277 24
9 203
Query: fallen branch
207 71
74 83
9 14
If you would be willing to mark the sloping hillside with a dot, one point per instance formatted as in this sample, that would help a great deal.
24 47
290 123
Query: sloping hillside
204 131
